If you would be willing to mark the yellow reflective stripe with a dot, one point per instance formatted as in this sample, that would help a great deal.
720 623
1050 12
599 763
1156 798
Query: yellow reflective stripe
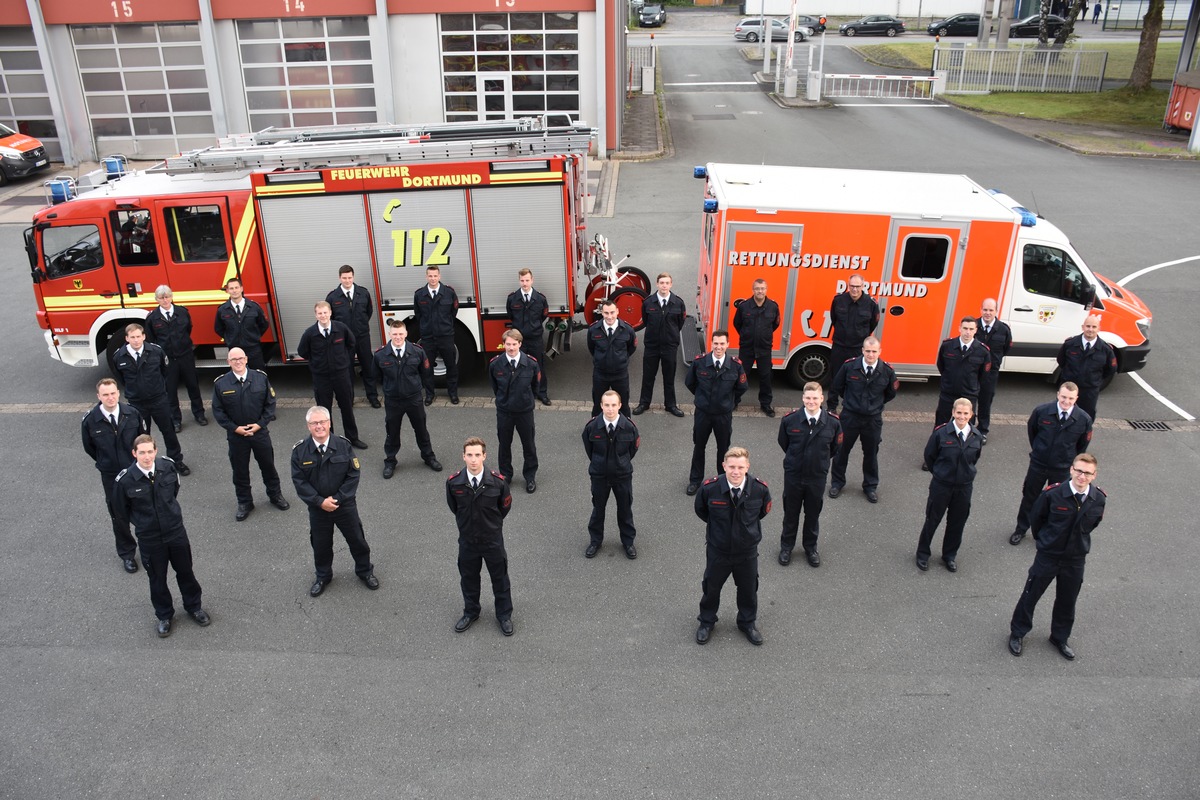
241 244
290 188
78 303
201 298
526 177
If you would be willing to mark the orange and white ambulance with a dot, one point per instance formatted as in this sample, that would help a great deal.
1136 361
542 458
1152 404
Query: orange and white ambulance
930 248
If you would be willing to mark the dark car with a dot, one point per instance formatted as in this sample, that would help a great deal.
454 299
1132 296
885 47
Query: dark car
958 25
1029 26
881 24
652 16
750 29
816 23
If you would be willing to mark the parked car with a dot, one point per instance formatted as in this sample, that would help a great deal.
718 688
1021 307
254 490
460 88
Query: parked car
20 155
881 24
750 29
1029 26
652 16
958 25
816 23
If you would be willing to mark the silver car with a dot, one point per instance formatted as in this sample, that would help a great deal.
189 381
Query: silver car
750 29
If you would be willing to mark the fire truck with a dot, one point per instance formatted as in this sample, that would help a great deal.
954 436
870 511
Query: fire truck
930 249
282 209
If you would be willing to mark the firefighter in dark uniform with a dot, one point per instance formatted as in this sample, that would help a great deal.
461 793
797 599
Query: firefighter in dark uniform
865 385
611 441
718 382
325 472
809 439
145 495
663 314
951 454
756 320
351 305
436 307
1062 522
241 322
528 309
1089 362
170 327
611 342
515 378
855 316
143 368
732 506
480 500
998 338
1058 432
108 433
962 362
243 404
404 372
328 347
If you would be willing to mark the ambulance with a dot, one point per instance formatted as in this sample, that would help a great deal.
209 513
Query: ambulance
20 155
930 248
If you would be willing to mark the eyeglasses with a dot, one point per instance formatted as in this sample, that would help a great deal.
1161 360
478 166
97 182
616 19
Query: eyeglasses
1083 474
237 358
318 422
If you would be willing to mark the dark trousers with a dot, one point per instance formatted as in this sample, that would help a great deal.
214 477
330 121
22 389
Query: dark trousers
340 386
126 544
320 534
183 370
366 357
159 412
952 501
443 346
809 497
1037 478
535 348
240 450
718 566
621 487
471 559
987 391
1068 571
395 410
870 431
176 551
254 356
652 359
945 408
602 382
523 424
705 425
838 355
1088 398
762 358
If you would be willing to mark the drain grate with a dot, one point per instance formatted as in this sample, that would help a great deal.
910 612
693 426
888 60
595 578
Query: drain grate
1148 425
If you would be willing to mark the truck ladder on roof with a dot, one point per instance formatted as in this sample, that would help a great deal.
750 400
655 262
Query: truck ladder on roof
368 145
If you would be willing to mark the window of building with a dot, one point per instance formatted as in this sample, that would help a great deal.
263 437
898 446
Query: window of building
925 258
195 233
24 101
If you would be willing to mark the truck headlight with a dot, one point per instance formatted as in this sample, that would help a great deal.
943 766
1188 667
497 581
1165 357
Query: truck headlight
1143 325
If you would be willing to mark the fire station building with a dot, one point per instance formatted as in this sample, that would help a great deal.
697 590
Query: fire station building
151 78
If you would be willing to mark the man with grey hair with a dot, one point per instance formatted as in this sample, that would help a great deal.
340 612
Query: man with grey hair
170 327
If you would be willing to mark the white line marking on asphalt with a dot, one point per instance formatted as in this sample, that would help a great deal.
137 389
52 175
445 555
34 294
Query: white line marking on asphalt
1142 272
914 104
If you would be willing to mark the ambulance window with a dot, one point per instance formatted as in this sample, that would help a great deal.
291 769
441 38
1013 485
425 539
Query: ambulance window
134 238
195 233
925 258
1051 272
71 249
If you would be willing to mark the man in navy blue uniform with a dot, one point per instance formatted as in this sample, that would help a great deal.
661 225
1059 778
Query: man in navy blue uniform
998 338
962 362
611 342
528 309
854 315
1089 362
809 438
756 320
515 377
351 305
405 373
109 430
663 314
1058 431
950 455
170 327
143 368
328 347
718 382
732 506
1062 521
611 441
436 306
241 322
865 385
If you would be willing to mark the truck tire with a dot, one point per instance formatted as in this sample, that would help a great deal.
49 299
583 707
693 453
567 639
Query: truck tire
110 340
810 364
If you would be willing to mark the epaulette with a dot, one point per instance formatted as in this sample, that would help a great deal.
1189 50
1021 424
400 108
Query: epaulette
496 474
343 438
835 416
502 355
1052 486
383 346
168 458
121 474
1101 491
738 360
297 444
261 372
455 475
710 480
531 358
699 356
760 480
939 427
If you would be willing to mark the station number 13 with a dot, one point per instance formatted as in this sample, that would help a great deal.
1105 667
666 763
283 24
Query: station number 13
410 247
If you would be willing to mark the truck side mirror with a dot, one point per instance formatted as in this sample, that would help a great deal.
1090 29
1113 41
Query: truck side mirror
31 251
1088 295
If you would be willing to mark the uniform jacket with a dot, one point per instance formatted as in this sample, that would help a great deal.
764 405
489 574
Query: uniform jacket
961 374
405 378
663 326
610 456
999 341
152 508
112 450
529 317
853 321
334 475
356 315
756 326
864 395
1061 526
733 529
949 459
327 356
479 513
146 376
175 336
1088 370
1056 443
716 392
514 388
435 316
808 451
246 331
611 356
236 404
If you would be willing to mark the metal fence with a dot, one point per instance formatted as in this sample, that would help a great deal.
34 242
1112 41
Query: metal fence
908 87
1023 69
639 57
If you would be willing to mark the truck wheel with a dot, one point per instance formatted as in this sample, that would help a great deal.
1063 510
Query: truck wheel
629 306
110 341
810 364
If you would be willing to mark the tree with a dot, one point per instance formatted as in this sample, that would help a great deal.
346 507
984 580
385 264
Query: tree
1143 65
1077 7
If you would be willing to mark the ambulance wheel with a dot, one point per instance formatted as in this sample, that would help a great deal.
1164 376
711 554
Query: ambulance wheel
810 364
629 306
